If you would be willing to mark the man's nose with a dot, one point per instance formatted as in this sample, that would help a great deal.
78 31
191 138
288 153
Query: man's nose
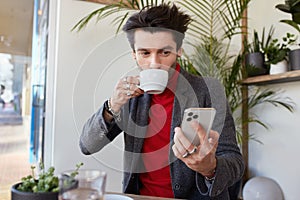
155 62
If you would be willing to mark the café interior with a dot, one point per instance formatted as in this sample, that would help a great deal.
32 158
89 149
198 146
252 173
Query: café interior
56 77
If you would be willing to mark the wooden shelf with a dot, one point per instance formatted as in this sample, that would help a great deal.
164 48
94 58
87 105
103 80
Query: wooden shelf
271 79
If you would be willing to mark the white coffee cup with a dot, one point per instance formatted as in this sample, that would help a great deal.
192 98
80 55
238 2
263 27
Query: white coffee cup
153 81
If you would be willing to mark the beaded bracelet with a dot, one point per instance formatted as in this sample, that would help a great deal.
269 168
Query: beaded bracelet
116 115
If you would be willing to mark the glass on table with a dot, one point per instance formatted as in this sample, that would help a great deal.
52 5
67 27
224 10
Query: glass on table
85 185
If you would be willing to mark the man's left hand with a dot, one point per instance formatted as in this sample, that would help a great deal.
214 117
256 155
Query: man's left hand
200 158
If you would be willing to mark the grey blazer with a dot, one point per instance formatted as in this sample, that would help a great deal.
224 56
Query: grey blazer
191 91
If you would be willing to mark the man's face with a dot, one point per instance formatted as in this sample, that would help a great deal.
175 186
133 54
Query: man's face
155 50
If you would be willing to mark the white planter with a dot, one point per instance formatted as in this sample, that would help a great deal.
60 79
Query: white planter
279 67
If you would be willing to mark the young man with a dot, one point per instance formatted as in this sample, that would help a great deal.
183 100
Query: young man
158 159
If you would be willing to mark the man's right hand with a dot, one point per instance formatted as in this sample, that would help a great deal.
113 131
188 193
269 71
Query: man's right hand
126 88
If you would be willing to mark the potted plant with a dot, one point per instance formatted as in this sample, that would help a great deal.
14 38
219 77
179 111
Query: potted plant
292 7
294 59
45 187
254 56
277 53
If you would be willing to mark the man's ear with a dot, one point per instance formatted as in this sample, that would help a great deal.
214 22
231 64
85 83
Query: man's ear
179 52
133 55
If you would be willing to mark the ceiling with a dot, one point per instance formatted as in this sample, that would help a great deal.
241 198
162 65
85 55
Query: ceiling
16 20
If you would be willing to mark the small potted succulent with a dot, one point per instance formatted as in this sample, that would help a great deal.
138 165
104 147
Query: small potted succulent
45 187
292 7
277 53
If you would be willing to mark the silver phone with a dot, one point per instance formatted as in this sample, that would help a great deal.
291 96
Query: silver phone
204 116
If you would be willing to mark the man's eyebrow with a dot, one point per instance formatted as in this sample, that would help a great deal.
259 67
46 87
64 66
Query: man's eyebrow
163 48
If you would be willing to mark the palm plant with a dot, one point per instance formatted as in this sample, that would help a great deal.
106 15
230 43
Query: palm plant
123 7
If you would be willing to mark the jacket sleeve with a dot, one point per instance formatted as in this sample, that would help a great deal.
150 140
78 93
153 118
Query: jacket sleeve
230 164
97 133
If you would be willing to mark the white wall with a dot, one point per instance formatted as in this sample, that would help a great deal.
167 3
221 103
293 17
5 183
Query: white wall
277 157
83 68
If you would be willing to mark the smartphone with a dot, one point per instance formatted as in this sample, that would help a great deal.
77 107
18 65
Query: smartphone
204 116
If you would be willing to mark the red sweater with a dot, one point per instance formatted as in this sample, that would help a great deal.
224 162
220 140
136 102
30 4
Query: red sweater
156 181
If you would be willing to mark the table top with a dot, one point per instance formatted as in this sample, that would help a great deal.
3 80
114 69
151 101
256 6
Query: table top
140 197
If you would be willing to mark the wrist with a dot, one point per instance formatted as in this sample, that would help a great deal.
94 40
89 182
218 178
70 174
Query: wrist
212 170
210 175
113 106
111 111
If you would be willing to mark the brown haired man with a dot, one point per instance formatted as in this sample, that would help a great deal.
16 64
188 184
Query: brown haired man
158 159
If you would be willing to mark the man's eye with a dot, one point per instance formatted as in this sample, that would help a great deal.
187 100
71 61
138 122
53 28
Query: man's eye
165 53
144 53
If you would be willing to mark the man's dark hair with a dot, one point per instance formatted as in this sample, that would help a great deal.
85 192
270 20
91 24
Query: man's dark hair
158 18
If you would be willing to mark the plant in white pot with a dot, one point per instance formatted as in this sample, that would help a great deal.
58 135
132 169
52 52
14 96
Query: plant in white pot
277 53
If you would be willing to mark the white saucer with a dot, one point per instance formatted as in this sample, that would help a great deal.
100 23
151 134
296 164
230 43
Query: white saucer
116 197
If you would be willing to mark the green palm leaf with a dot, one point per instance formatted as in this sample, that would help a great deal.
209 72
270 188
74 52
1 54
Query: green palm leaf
292 23
109 10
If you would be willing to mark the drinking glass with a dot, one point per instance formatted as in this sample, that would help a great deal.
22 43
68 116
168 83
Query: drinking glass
84 185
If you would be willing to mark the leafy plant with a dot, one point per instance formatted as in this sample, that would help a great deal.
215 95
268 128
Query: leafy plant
46 181
292 7
257 44
277 51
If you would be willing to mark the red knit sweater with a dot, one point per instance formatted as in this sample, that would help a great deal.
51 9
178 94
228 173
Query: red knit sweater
156 181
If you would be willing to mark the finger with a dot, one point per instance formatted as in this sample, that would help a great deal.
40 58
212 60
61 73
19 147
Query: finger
120 84
214 138
133 80
137 93
200 131
194 150
209 147
124 79
175 151
178 141
178 154
214 135
136 88
179 137
128 93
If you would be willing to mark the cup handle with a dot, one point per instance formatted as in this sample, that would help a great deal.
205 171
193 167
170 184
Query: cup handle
140 87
